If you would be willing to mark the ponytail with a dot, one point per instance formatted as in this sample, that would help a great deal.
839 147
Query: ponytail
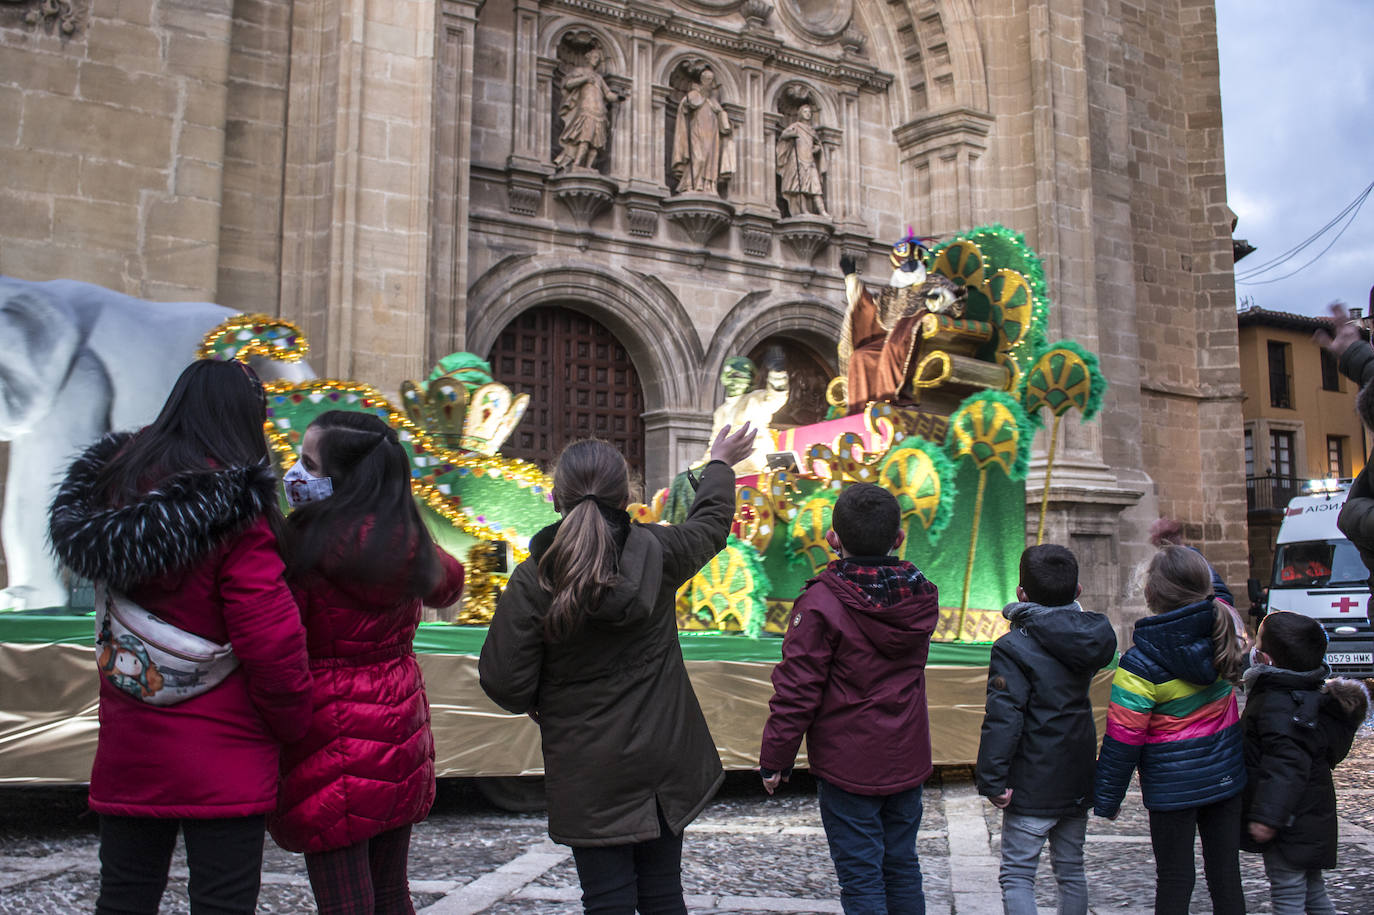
581 563
1179 576
1228 650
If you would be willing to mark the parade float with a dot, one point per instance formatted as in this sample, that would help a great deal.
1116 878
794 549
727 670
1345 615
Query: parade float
970 378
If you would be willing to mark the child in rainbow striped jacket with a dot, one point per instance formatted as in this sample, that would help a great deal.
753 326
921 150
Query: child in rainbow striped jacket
1174 716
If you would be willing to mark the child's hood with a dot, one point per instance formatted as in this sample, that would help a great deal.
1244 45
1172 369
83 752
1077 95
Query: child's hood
895 628
1078 639
1349 696
1180 641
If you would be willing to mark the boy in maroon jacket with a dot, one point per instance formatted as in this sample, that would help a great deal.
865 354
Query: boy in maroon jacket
852 680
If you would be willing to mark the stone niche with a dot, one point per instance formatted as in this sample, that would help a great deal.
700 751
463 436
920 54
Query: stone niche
603 90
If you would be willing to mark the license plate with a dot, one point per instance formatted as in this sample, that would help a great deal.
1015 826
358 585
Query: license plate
1350 657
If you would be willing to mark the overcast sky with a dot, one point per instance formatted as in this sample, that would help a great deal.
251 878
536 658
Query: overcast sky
1297 98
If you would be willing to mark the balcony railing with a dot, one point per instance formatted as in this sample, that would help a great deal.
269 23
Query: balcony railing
1270 492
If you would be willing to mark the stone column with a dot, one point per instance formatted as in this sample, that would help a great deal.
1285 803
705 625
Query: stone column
757 165
525 115
452 153
845 179
1089 501
357 194
673 439
938 153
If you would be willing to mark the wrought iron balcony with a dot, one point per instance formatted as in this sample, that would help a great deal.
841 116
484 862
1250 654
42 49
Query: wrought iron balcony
1271 492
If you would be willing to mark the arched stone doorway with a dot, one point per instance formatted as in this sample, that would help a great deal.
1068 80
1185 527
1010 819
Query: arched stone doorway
581 384
808 374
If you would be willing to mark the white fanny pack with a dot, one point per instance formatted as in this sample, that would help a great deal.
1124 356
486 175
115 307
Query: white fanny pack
149 658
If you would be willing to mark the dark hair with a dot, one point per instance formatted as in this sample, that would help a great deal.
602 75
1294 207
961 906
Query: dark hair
580 565
1179 576
1049 575
370 528
866 519
1292 641
212 419
1364 402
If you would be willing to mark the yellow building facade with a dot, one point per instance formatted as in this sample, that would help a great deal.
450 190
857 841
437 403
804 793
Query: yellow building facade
1300 420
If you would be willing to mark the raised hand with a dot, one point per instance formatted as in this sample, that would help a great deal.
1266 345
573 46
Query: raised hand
1347 331
733 447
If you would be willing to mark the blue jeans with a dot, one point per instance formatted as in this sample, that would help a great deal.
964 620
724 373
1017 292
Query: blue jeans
873 844
1022 838
1296 890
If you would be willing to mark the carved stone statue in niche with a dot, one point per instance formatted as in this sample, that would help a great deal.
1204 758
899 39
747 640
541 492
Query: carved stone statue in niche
703 141
801 163
585 113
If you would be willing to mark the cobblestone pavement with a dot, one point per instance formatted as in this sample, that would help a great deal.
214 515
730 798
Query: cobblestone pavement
746 854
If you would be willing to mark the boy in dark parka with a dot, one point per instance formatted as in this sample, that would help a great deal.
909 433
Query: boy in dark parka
1038 752
1296 727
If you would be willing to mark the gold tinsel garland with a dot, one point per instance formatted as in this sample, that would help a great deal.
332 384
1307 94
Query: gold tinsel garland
519 472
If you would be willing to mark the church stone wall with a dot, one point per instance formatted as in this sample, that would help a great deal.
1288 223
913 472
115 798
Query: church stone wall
381 171
112 144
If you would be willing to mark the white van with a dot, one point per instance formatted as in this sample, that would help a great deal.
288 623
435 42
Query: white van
1319 573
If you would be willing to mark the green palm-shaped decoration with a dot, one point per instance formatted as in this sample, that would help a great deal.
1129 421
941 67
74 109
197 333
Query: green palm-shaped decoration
921 476
730 589
991 430
809 528
1064 377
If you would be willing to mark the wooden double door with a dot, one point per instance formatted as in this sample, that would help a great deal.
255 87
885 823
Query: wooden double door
581 383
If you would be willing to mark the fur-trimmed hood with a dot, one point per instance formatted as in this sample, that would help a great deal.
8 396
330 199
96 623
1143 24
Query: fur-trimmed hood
1350 695
168 528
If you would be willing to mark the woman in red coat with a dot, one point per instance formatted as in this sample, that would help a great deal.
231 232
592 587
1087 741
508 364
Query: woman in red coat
180 519
361 563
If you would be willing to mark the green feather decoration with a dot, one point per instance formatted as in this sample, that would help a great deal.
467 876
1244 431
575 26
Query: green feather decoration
972 433
1005 248
927 496
1084 392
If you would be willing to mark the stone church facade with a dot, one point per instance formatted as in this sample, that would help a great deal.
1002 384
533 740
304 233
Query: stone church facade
400 178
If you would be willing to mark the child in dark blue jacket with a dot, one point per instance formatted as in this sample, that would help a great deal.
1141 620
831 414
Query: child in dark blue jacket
1174 717
1039 742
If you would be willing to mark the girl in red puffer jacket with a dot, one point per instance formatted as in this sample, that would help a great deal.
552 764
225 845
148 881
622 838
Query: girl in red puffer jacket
360 563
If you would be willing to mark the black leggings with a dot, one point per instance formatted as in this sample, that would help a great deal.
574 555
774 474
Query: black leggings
618 879
224 858
1171 834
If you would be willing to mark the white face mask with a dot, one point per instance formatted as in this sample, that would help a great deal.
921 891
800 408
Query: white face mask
301 487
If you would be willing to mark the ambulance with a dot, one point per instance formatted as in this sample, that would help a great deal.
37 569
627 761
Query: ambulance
1319 573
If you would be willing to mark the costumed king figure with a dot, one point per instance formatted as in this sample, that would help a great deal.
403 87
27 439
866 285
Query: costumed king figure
881 338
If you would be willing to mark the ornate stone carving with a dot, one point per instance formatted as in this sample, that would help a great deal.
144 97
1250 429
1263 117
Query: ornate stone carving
584 193
585 104
524 192
804 235
853 42
701 216
756 13
63 12
756 236
643 220
822 20
703 139
801 162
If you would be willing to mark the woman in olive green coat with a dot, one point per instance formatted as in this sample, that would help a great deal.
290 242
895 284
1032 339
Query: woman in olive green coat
584 640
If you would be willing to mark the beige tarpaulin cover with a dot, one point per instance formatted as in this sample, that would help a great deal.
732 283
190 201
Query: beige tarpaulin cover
48 714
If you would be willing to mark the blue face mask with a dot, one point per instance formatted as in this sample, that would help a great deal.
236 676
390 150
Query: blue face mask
301 487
